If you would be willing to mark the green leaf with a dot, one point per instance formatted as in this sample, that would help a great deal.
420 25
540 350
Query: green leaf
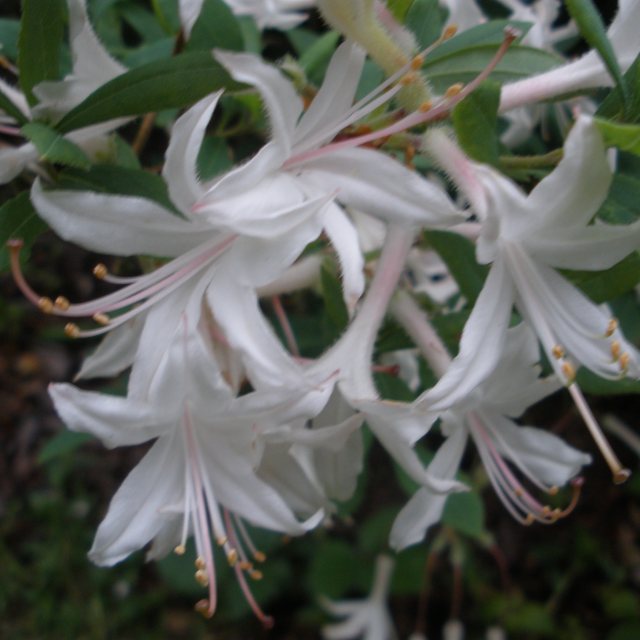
214 158
9 32
624 136
143 21
216 26
165 84
458 254
426 21
54 148
616 107
590 383
10 109
18 219
333 299
315 59
399 8
464 512
119 181
592 29
475 121
41 32
61 444
463 66
331 571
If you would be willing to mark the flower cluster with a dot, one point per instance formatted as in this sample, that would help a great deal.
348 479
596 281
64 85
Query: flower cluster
246 430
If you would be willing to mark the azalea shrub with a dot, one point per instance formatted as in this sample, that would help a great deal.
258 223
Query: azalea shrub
351 252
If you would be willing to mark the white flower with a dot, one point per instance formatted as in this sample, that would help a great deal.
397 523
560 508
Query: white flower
585 73
465 14
281 14
485 415
365 619
527 238
92 67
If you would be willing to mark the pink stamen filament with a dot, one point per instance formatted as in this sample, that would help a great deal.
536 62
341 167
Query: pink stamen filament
281 314
413 119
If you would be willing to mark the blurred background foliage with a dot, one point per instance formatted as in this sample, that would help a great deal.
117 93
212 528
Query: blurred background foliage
577 580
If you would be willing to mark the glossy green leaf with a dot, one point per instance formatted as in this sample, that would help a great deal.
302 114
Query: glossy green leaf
214 158
62 444
166 84
41 32
333 299
9 32
464 512
426 20
216 26
458 254
119 181
475 121
624 136
54 148
592 29
18 219
465 65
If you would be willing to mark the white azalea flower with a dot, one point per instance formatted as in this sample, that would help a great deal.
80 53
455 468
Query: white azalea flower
527 238
281 14
92 67
364 619
585 73
486 415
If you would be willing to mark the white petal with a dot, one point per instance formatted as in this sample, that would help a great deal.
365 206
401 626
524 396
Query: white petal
13 160
281 101
180 168
119 225
189 12
374 183
116 421
481 343
135 514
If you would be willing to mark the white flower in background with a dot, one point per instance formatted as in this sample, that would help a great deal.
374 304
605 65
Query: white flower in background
464 14
585 73
280 14
364 619
505 448
92 67
526 238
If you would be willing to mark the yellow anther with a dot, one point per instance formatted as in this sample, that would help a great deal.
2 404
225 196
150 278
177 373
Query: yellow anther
202 606
62 303
425 106
221 541
200 563
546 511
245 566
202 578
616 350
232 557
45 305
624 361
260 556
101 318
553 491
72 330
417 63
519 492
558 352
612 327
255 575
569 372
100 271
408 78
180 550
454 90
450 31
530 519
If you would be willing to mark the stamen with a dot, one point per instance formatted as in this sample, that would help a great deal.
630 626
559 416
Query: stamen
200 563
616 350
454 90
72 330
612 327
620 473
569 372
101 318
202 578
450 31
256 575
417 62
425 107
558 352
232 557
625 358
260 556
180 550
221 541
100 271
204 607
62 303
407 79
45 305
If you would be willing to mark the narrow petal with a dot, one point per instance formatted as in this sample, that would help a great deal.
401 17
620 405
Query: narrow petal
180 168
119 225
